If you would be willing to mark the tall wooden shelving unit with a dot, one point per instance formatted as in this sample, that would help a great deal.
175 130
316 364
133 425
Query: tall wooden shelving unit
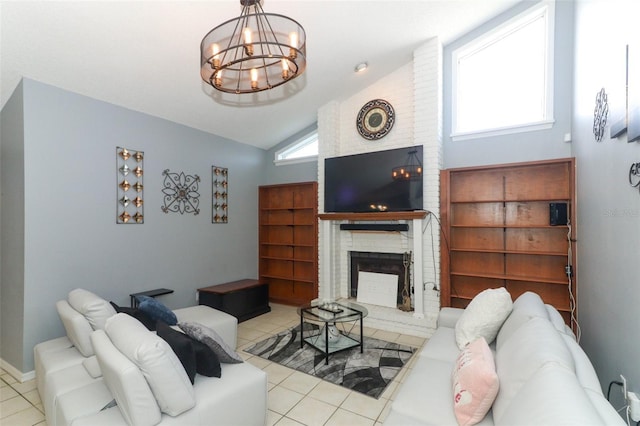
498 234
288 239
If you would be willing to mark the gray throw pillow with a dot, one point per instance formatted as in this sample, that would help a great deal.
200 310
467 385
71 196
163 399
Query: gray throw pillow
212 339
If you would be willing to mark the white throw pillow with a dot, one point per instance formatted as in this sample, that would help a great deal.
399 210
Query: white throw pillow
157 361
484 316
94 308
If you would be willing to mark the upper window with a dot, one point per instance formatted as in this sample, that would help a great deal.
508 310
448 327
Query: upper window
304 149
503 80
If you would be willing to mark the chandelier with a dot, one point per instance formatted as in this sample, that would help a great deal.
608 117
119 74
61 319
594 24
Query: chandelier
411 170
254 52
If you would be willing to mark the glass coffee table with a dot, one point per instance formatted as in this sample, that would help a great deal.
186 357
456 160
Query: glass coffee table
329 340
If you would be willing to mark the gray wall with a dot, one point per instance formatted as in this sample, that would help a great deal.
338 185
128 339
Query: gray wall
12 229
299 172
71 238
531 146
609 208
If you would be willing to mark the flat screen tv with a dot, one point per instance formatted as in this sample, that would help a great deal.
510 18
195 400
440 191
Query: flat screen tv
365 183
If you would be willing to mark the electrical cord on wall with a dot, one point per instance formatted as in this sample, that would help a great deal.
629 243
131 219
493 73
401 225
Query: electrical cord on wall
569 272
625 407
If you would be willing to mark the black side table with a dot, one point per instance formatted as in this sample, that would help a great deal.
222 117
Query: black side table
150 293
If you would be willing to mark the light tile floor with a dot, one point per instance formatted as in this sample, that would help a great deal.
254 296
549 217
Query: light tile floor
299 399
294 398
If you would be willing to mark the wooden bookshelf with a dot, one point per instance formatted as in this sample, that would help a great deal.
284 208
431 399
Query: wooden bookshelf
497 232
288 241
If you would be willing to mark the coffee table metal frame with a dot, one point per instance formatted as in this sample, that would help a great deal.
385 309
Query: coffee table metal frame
329 314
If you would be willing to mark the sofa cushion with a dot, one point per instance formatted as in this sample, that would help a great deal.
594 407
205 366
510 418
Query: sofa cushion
535 344
210 338
425 393
484 316
182 347
552 396
77 327
137 314
441 345
584 371
475 382
126 382
528 305
157 361
92 366
94 308
156 310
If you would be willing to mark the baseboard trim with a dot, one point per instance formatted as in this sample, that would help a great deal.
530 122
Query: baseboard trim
17 374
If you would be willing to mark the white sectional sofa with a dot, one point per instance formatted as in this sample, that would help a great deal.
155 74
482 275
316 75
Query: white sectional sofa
109 369
544 377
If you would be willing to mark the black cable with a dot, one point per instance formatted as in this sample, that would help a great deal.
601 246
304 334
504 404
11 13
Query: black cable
613 382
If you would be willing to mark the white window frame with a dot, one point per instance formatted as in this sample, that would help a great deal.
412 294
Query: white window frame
294 146
545 9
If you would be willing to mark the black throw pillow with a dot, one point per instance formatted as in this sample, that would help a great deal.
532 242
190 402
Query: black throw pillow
137 314
181 345
207 362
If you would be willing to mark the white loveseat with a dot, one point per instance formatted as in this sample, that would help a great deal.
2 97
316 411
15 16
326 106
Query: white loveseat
85 379
545 378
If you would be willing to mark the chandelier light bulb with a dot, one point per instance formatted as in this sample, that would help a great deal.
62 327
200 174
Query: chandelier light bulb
254 78
215 52
218 79
293 40
248 47
285 69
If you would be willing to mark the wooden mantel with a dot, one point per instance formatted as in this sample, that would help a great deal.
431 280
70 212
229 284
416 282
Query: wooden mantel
410 215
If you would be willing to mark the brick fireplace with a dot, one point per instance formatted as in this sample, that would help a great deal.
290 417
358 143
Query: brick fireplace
415 91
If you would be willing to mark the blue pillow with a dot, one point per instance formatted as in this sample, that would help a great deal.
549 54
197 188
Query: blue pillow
156 310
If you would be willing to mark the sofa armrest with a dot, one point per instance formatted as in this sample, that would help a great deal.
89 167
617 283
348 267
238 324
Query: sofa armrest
448 317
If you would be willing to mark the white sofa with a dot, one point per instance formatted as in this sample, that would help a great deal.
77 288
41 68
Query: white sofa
545 378
84 378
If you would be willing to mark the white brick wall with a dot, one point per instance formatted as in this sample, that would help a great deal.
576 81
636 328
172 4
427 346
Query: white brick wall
415 92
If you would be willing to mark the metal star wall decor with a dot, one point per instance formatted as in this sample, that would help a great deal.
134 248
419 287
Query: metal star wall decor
129 205
180 193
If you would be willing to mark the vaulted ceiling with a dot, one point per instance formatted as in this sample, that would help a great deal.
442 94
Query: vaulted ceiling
144 55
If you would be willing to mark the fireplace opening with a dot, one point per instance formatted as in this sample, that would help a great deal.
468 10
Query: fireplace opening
383 263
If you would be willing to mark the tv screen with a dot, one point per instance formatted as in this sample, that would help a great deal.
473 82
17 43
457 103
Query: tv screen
366 182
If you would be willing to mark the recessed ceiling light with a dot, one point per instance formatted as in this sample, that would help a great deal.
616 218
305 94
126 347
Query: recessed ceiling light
361 67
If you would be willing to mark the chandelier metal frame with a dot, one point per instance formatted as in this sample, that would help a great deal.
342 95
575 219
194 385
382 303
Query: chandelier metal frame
254 52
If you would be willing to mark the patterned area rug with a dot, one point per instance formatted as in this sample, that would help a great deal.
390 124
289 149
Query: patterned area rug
368 373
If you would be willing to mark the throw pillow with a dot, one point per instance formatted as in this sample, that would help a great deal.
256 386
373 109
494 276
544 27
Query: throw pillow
207 362
137 314
157 361
212 339
94 308
475 382
156 310
484 316
182 347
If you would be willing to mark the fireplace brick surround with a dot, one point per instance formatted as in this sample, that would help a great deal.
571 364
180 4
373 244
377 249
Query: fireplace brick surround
415 92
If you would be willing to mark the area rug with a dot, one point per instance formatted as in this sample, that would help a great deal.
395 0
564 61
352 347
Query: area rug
369 372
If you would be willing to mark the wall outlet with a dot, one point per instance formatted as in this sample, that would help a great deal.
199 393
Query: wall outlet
634 406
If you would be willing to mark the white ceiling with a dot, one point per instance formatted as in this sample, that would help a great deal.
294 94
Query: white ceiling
144 55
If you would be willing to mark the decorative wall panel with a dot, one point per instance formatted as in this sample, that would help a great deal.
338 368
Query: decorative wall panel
219 194
129 187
